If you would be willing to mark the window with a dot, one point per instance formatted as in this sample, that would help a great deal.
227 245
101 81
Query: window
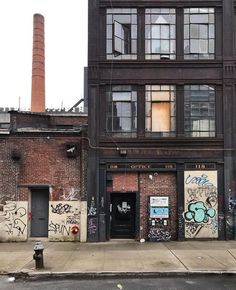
199 33
121 36
199 110
160 35
122 111
160 110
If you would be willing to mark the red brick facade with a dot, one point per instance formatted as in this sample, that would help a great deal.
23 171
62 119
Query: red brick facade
147 184
37 159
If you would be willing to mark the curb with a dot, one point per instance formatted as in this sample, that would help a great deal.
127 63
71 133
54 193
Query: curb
33 276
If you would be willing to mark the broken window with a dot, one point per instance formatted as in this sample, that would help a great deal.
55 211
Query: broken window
121 36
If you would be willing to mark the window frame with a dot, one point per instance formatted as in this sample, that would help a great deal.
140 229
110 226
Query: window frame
150 90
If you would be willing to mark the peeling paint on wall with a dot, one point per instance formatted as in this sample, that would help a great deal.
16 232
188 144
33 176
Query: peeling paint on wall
201 204
62 216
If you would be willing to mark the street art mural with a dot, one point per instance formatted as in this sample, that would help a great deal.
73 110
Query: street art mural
201 204
13 221
63 215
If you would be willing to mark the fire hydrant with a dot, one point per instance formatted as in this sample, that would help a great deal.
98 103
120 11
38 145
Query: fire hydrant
38 255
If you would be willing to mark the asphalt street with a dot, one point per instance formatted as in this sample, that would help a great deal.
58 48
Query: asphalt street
216 282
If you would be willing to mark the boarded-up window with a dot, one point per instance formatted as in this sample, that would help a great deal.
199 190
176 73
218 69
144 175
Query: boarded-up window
161 117
160 110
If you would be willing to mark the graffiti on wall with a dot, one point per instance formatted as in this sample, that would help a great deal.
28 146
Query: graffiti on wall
62 216
71 195
201 204
92 226
92 210
14 220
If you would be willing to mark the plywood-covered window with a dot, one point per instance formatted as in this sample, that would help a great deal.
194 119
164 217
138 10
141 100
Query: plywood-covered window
160 110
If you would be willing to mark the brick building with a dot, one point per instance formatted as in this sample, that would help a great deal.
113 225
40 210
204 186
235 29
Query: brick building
161 87
43 175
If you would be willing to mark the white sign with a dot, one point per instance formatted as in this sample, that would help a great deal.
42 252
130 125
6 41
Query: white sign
159 201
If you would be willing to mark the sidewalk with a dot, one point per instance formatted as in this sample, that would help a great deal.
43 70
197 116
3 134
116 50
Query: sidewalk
120 257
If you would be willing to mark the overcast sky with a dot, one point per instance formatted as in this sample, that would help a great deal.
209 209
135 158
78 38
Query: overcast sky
65 50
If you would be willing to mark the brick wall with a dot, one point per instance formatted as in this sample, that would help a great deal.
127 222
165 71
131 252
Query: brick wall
161 184
43 161
124 182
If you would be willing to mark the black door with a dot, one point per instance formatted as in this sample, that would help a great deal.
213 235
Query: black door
39 210
123 215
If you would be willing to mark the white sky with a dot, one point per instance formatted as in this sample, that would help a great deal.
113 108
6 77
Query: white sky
65 51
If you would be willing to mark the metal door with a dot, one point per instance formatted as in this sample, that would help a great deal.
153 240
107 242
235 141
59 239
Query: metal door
123 215
39 211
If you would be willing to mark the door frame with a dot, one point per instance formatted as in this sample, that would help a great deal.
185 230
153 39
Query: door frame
108 213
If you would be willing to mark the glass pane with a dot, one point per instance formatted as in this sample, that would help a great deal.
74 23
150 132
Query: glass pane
186 31
194 46
172 31
156 46
165 31
125 124
156 31
203 31
148 31
194 31
203 46
121 96
165 46
199 18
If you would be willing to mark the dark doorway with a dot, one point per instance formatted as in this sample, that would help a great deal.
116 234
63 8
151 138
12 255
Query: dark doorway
39 210
123 215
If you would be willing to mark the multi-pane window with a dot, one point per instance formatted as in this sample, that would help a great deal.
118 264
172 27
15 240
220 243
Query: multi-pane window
121 33
160 34
199 33
199 110
160 110
122 111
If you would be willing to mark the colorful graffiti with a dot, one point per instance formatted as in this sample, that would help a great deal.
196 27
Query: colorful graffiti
201 204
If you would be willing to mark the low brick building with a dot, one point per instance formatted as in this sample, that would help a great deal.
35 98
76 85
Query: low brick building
43 163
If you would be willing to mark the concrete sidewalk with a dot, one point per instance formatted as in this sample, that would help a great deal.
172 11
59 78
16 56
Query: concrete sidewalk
120 257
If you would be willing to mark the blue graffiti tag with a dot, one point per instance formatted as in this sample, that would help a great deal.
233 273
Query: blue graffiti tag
199 180
199 213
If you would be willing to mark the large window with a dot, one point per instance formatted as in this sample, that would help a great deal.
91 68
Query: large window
121 37
160 35
122 111
199 110
199 33
160 110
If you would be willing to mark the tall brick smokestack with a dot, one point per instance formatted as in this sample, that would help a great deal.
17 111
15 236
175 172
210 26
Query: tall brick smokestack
38 66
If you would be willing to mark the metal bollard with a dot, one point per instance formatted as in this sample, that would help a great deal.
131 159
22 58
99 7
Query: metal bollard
38 255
